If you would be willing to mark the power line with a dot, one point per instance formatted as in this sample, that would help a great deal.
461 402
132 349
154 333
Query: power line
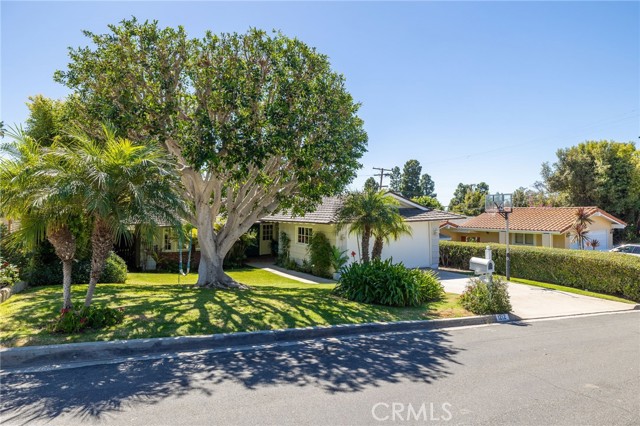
382 174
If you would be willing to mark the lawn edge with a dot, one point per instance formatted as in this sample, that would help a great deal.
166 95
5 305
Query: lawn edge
28 356
572 290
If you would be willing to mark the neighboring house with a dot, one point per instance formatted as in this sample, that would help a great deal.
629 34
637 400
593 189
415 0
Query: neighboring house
418 250
451 223
535 226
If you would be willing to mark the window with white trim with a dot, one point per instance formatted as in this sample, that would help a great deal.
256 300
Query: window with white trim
523 239
304 235
167 240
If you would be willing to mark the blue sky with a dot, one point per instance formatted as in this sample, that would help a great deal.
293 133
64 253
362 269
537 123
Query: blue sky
476 91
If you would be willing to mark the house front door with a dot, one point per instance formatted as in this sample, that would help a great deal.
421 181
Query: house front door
266 236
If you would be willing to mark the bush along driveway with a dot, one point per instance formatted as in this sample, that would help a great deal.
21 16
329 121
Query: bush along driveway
155 305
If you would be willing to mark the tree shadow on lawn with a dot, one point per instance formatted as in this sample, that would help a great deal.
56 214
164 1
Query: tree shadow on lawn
267 308
332 365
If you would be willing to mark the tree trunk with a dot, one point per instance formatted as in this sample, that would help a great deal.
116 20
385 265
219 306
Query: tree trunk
67 267
64 244
210 272
376 253
101 244
366 236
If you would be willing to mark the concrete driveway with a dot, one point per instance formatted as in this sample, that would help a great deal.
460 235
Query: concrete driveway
536 302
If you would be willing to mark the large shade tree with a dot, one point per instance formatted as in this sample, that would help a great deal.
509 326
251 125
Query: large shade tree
256 122
599 173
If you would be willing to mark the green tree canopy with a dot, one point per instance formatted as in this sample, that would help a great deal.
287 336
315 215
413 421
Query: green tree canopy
256 122
410 181
427 186
469 199
599 173
395 179
427 201
371 185
49 120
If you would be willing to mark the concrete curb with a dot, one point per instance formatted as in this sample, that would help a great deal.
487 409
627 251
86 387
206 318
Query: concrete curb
92 351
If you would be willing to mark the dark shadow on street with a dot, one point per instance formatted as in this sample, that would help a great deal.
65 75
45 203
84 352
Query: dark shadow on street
333 365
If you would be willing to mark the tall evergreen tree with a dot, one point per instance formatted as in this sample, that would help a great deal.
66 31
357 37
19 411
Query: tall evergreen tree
395 179
601 173
371 185
410 182
427 186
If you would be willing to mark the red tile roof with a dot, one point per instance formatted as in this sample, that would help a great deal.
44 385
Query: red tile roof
538 219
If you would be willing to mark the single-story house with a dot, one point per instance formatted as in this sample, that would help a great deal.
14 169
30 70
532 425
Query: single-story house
535 226
418 250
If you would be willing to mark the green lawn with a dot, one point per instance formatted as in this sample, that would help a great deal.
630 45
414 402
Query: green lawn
157 306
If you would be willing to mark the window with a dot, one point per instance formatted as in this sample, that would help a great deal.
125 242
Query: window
304 234
523 239
166 246
267 232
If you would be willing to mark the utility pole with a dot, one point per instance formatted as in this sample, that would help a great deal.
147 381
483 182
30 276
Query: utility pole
382 174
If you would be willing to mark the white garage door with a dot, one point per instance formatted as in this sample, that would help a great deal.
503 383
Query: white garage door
603 239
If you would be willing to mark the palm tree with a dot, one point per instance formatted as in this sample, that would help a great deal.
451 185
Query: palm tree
30 190
580 228
120 183
369 213
392 225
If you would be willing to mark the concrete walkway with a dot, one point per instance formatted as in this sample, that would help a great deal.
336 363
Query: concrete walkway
528 302
293 275
536 302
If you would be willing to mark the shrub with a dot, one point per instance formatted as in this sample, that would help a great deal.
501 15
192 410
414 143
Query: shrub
238 252
284 251
320 255
339 258
115 270
50 273
384 283
612 273
9 274
482 298
73 321
10 252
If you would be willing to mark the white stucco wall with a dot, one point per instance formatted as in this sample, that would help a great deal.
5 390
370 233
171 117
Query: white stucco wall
419 250
299 251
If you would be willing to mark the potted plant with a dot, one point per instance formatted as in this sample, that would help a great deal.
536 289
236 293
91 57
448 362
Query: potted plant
338 260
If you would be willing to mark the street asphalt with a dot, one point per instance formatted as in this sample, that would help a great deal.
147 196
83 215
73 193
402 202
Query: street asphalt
575 371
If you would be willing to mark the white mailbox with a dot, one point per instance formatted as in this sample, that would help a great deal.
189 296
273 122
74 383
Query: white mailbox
482 266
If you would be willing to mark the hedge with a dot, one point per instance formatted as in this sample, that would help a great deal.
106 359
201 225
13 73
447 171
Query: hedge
115 271
612 273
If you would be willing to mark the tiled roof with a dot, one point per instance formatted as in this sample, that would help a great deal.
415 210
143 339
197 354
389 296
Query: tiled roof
417 215
539 219
328 209
325 213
